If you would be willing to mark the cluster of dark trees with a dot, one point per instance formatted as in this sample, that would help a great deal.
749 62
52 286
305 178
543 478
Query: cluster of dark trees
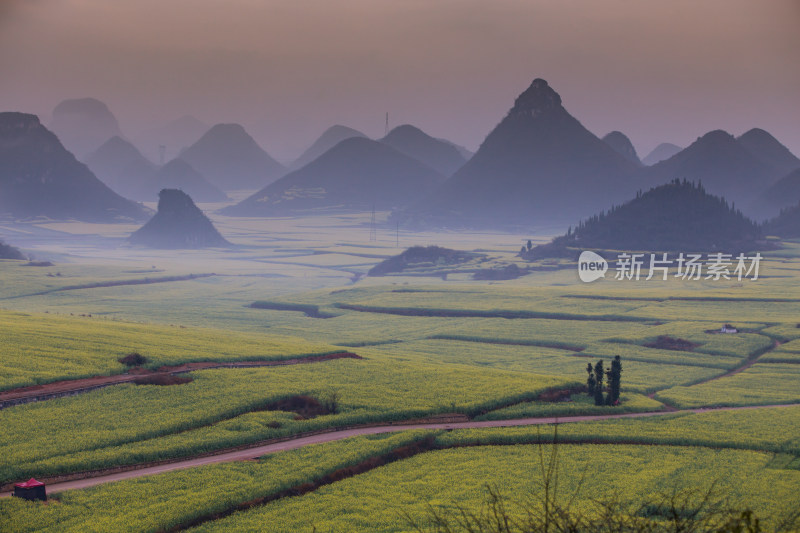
594 383
9 252
419 256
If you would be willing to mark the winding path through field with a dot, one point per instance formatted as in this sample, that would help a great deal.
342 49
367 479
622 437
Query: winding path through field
259 450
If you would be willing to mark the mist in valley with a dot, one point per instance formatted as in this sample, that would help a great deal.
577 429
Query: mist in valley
229 230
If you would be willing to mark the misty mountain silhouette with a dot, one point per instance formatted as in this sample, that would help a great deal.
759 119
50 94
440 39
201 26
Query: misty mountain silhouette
660 153
441 156
178 224
357 173
786 224
679 216
329 138
783 193
538 164
39 177
83 124
466 154
178 174
230 159
623 146
121 166
722 164
769 150
174 136
9 252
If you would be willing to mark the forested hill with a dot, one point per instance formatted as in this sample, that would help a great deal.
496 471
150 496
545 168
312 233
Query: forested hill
678 216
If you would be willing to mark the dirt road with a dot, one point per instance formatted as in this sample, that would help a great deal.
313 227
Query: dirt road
260 450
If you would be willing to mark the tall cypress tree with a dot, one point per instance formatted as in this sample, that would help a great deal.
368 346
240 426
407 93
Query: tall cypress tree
590 383
598 387
614 378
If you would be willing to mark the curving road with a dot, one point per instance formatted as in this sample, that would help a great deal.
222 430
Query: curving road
264 449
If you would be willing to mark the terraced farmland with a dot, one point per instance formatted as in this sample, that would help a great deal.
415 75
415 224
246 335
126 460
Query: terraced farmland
465 350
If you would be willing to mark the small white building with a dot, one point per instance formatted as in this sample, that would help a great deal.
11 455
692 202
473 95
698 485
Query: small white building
727 328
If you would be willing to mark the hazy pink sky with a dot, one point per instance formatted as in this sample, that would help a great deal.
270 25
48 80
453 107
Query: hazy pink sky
658 70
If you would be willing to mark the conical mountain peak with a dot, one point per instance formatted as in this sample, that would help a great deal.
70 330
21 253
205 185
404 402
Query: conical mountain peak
537 99
717 136
768 149
231 159
404 130
115 147
39 177
440 155
329 138
178 224
623 146
539 164
355 175
83 124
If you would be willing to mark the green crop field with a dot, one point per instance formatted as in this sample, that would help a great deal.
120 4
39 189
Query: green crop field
159 502
381 499
128 423
156 503
42 348
761 384
429 346
773 429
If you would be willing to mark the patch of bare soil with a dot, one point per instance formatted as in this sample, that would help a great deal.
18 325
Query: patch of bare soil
304 406
133 359
560 395
665 342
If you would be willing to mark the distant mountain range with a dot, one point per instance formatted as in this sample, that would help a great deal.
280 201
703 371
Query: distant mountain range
464 152
329 138
230 159
121 166
623 146
40 178
723 165
173 136
83 124
539 164
769 150
679 216
178 224
660 153
442 156
178 174
357 173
